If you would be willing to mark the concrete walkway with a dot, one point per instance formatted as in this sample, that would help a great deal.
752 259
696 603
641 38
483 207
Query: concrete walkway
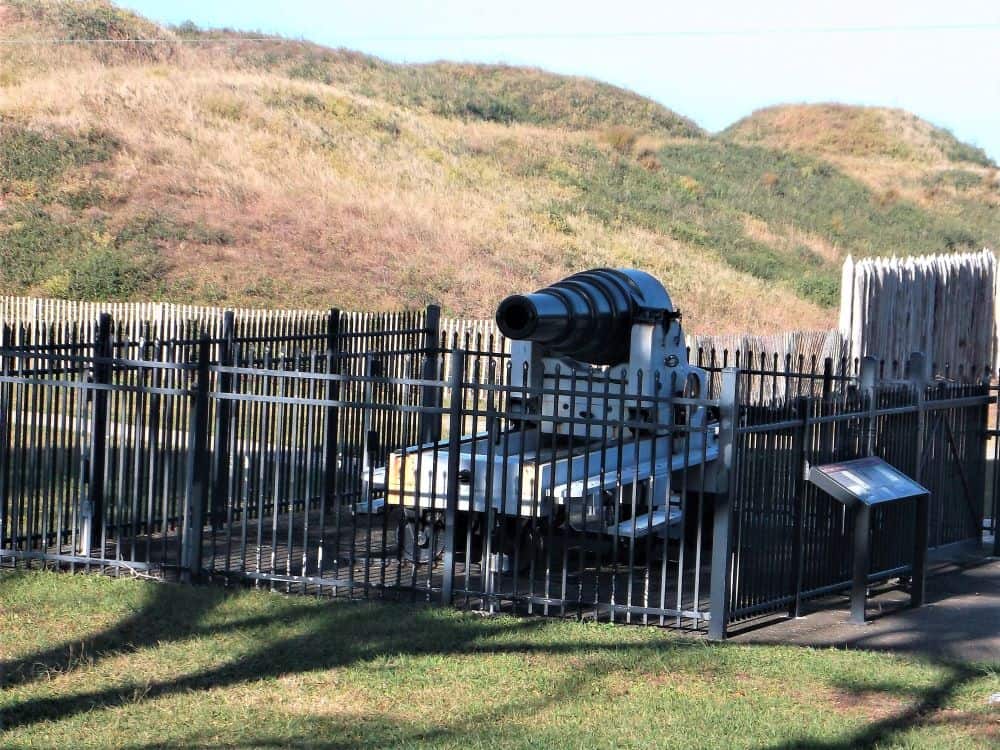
960 620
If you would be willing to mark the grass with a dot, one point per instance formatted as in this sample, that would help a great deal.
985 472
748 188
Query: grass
76 260
841 130
95 19
47 242
703 192
490 93
280 173
33 160
96 662
959 179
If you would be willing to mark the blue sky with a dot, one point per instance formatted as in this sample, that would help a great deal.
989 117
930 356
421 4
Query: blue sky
714 61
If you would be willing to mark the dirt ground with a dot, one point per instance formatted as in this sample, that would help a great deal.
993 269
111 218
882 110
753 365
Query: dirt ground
959 621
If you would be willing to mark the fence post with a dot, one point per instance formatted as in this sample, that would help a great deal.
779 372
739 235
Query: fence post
722 537
456 376
995 489
197 480
826 446
332 412
429 428
92 509
868 375
369 435
917 375
223 415
5 404
800 447
995 473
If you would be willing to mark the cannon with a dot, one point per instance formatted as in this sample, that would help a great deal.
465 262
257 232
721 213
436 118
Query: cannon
591 325
599 383
587 316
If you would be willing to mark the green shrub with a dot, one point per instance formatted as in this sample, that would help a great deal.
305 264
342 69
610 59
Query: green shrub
30 156
98 19
206 234
956 150
82 198
311 69
78 260
188 29
960 179
212 293
32 246
821 287
262 289
110 273
704 190
152 231
490 110
688 234
807 256
149 230
959 151
556 218
312 102
389 126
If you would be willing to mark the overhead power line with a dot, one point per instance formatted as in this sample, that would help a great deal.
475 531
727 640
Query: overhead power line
664 33
550 35
212 40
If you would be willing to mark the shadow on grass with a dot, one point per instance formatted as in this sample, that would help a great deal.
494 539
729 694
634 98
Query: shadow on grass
476 725
351 633
173 613
922 713
334 636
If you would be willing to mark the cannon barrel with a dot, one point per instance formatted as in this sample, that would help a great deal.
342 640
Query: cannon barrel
587 316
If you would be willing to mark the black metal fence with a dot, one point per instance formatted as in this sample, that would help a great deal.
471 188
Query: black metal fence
374 459
106 441
780 542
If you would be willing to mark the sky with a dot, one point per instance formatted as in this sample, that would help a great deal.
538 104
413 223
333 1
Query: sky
714 61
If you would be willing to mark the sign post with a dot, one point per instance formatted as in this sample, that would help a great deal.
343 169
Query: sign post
861 484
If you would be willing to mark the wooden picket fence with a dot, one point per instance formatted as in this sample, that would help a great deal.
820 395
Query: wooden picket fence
942 305
163 320
171 321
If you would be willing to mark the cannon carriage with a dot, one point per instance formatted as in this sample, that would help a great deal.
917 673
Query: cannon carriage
603 423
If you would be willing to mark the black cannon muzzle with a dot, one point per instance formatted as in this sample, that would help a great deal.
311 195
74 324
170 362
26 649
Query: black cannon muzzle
587 316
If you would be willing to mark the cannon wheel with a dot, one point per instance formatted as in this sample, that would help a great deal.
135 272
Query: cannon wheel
421 538
521 542
530 545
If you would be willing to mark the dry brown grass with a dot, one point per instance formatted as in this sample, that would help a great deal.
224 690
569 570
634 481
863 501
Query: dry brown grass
332 198
891 151
820 128
841 130
621 138
787 238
